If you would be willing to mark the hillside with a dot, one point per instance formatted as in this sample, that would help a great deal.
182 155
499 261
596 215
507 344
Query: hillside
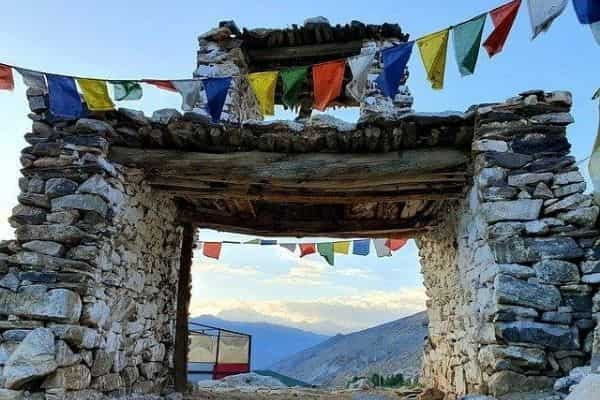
270 342
384 349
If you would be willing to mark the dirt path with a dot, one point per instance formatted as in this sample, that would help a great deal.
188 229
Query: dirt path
304 394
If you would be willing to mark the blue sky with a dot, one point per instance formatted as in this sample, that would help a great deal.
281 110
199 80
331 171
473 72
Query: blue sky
157 39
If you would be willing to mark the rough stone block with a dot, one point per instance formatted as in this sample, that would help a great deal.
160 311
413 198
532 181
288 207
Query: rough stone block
510 290
59 233
505 382
45 247
57 187
557 337
75 377
557 272
517 210
529 179
525 250
85 202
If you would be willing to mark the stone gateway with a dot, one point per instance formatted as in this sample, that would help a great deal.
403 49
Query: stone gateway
94 291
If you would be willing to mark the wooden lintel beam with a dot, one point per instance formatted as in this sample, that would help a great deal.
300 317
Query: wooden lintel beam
314 170
337 50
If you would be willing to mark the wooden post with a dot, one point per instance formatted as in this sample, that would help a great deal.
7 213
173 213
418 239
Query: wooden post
183 304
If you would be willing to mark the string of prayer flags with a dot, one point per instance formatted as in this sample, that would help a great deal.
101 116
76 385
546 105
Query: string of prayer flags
289 246
503 18
394 66
216 93
293 80
95 94
327 80
212 249
341 247
396 244
327 252
467 40
361 247
263 84
381 249
33 79
543 12
63 98
433 48
306 249
161 84
126 90
359 66
588 11
7 81
190 91
596 31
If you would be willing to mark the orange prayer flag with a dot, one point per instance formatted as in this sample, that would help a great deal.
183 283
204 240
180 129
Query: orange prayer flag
212 249
161 84
307 248
503 18
395 244
327 82
6 78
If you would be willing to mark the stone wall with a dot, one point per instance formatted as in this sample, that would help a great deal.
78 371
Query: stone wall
512 274
88 289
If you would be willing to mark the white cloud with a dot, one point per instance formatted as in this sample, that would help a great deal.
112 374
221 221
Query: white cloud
328 315
223 269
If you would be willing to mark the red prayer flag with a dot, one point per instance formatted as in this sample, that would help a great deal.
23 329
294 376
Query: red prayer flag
307 248
503 18
395 244
6 78
165 85
212 249
327 82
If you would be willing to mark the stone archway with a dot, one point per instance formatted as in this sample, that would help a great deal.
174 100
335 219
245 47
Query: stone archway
89 291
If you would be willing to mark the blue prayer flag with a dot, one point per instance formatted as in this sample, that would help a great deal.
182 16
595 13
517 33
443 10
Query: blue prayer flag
394 64
216 93
361 247
588 11
64 99
268 242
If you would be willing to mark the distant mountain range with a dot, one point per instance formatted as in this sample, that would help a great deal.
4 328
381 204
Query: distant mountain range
270 342
395 347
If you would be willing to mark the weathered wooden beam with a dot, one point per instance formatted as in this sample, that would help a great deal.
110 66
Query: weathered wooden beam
284 54
317 170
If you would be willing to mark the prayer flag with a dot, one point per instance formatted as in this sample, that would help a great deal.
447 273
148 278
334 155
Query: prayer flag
341 247
361 247
596 31
161 84
95 94
433 49
63 97
289 246
394 67
327 82
588 11
395 244
6 78
359 65
306 249
190 91
326 251
467 39
503 18
216 93
126 90
268 242
543 12
381 249
594 163
263 84
212 249
33 79
253 241
293 80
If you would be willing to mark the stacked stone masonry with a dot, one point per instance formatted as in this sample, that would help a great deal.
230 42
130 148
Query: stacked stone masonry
513 276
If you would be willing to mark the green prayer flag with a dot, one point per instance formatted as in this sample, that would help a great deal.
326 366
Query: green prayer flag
127 90
467 40
293 79
326 250
253 241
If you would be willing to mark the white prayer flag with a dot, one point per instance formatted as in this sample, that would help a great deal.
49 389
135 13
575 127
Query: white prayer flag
190 91
381 249
596 31
359 65
543 12
33 79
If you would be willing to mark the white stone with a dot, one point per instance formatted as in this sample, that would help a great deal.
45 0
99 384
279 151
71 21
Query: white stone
588 389
490 145
517 210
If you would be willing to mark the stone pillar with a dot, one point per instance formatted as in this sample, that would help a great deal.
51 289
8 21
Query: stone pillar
88 289
512 273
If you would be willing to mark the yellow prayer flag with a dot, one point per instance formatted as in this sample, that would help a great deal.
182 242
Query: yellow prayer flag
433 49
263 84
341 247
95 94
